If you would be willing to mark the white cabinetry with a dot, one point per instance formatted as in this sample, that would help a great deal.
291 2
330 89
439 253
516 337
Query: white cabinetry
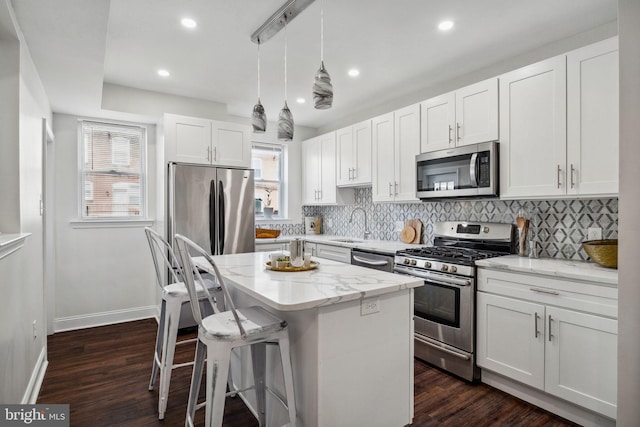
467 116
396 142
353 160
319 170
592 119
559 336
201 141
559 125
271 246
335 253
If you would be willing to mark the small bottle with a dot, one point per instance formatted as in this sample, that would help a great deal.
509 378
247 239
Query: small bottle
533 249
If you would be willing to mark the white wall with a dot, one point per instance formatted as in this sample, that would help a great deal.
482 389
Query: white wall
103 275
629 216
22 344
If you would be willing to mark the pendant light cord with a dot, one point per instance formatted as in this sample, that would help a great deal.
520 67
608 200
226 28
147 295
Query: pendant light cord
285 58
258 69
321 31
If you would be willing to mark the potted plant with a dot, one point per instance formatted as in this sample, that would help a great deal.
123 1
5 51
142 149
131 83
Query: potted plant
268 210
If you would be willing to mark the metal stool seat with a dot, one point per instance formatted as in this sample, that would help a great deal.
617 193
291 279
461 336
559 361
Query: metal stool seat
173 296
219 334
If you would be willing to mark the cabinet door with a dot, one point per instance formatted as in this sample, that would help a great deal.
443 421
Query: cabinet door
327 169
231 145
407 147
477 113
362 145
592 119
345 152
310 171
510 338
438 121
383 174
533 130
188 139
336 253
582 359
270 247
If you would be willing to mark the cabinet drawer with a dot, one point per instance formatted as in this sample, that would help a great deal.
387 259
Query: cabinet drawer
335 253
576 295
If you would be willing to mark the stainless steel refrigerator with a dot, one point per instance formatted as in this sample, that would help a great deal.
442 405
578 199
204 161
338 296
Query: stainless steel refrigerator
214 207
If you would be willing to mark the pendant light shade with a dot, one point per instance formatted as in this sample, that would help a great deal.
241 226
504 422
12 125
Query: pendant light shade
322 88
259 117
285 119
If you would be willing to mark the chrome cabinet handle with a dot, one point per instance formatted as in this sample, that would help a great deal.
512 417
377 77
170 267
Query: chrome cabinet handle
535 325
458 132
450 138
215 154
355 175
208 154
572 172
396 188
390 190
559 170
550 319
544 291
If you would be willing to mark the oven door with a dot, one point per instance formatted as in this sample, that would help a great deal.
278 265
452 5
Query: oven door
443 307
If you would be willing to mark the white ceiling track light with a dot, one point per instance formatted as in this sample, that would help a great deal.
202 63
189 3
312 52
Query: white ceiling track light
322 88
275 23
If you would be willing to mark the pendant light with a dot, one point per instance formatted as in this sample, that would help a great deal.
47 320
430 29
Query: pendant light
285 119
322 87
259 117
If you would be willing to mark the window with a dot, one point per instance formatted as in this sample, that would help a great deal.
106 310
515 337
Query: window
112 171
267 161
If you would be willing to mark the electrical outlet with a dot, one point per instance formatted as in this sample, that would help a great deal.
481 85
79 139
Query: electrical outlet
35 329
399 226
594 233
329 222
369 306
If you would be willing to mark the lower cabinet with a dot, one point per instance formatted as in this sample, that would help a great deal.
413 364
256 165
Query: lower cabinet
335 253
272 246
540 332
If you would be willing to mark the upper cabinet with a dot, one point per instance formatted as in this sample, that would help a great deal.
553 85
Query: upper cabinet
353 161
396 142
466 116
201 141
592 119
559 125
319 170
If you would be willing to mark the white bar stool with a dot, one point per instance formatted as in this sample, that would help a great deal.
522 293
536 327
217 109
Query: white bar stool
173 295
219 334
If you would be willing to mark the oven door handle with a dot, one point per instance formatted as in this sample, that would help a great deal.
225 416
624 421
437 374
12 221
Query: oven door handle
445 350
370 261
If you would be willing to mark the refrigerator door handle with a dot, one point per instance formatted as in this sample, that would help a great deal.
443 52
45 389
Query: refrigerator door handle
221 223
212 216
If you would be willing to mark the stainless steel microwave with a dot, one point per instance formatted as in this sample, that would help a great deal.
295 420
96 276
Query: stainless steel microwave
467 171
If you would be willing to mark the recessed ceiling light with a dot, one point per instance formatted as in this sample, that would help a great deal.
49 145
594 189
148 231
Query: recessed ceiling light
301 100
445 25
163 73
188 23
353 72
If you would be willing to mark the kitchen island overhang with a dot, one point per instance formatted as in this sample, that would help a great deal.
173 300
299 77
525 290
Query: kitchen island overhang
351 333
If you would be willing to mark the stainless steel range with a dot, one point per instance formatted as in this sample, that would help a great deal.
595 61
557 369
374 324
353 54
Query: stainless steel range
444 308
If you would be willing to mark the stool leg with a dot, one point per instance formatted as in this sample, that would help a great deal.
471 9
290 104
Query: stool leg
159 340
171 331
196 378
287 371
218 356
259 362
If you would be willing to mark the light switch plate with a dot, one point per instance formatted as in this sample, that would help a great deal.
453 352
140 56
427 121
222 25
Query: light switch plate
399 226
594 233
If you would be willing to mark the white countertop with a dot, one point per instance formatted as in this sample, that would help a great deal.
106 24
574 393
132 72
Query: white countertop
331 283
382 246
577 270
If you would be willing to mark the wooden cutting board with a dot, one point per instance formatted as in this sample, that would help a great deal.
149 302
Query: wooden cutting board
417 225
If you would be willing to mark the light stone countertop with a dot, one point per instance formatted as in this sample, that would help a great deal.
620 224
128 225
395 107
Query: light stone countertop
382 246
558 268
331 283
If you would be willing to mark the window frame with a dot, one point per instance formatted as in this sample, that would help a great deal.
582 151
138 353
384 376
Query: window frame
281 182
143 218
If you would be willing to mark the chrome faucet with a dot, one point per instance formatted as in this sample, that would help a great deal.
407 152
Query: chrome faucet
367 232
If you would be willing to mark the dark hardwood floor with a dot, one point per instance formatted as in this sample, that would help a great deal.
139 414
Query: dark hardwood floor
103 373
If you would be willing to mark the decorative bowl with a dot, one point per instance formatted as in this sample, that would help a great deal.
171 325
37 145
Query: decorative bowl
266 233
602 252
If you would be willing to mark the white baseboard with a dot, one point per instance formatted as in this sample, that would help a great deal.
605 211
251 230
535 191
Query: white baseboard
37 376
105 318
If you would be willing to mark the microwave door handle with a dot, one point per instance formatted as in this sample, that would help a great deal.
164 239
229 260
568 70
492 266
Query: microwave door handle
473 169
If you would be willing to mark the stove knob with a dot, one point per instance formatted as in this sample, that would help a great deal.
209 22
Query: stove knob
445 267
453 269
427 264
413 262
406 261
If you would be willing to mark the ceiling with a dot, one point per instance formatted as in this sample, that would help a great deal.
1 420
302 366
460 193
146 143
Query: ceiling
77 45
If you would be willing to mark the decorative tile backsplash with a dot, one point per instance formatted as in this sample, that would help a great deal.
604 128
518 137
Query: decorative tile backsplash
560 226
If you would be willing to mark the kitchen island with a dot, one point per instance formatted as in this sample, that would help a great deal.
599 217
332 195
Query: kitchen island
351 333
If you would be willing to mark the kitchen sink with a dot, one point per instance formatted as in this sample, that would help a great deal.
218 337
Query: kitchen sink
347 240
